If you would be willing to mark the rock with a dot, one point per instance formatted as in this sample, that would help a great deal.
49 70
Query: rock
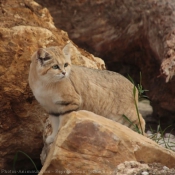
145 108
131 36
132 168
25 26
144 173
92 144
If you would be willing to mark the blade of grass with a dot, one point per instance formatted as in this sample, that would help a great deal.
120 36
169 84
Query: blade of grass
137 110
16 157
136 128
15 160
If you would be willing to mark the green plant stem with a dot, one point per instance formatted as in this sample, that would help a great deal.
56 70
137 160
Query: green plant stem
134 91
16 157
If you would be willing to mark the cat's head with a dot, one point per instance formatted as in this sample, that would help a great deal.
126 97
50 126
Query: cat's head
54 63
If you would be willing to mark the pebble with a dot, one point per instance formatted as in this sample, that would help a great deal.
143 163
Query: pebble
145 173
169 135
165 168
149 132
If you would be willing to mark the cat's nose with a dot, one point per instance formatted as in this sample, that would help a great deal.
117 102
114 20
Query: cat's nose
64 73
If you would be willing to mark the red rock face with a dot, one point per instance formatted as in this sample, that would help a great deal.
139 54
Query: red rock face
131 36
25 27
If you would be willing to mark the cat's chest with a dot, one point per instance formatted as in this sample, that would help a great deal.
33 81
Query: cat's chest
47 97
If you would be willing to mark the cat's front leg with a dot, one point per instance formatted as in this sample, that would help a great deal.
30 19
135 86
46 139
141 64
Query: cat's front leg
55 123
65 108
69 104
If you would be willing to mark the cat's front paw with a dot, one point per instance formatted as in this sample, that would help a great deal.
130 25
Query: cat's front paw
49 139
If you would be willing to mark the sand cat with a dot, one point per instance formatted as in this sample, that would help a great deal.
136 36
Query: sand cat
61 88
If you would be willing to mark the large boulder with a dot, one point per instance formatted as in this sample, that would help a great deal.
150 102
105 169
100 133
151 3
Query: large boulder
25 27
92 144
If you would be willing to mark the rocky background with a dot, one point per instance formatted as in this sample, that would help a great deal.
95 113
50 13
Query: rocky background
25 26
130 36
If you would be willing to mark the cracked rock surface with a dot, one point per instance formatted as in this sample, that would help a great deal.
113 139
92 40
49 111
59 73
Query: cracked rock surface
92 144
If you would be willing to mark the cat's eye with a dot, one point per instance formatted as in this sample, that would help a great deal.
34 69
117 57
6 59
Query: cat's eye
66 64
55 67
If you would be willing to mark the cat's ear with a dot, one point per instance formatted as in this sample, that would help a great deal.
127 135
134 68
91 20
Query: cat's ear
67 50
42 56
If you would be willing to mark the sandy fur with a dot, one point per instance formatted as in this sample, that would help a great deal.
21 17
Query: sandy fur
103 92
